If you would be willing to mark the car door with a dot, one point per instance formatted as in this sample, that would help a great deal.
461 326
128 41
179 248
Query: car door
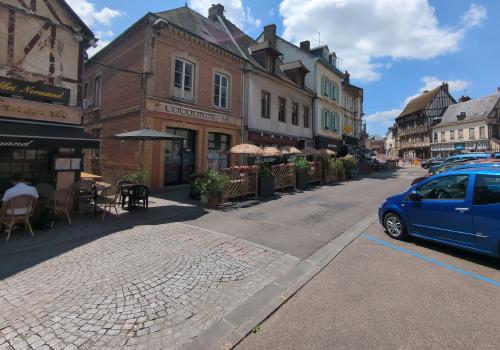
444 210
486 212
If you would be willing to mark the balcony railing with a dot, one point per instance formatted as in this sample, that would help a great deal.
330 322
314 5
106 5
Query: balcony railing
411 131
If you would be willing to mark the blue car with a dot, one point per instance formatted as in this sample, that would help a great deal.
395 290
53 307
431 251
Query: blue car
468 156
459 208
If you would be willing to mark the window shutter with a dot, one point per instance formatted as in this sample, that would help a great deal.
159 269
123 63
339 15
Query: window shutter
323 119
323 86
337 92
332 121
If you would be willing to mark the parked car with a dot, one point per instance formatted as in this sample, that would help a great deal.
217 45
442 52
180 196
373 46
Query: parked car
431 162
457 208
468 156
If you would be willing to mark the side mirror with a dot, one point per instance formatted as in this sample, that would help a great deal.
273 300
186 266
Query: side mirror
414 196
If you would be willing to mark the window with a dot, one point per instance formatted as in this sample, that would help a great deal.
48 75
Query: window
460 134
97 92
218 147
183 79
482 132
282 109
265 104
334 121
443 137
295 113
34 164
452 135
305 113
221 87
436 137
486 190
270 65
472 135
446 187
325 119
86 91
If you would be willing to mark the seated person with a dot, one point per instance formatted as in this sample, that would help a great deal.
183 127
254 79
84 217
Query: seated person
20 188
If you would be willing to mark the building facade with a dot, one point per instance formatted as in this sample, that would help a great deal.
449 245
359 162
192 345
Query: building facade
277 106
391 147
471 126
183 75
416 120
42 50
352 105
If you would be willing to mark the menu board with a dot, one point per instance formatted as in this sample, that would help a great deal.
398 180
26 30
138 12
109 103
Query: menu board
67 164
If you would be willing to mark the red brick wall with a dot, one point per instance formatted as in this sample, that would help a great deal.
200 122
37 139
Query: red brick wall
171 43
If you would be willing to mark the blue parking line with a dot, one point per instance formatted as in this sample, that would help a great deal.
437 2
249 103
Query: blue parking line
431 260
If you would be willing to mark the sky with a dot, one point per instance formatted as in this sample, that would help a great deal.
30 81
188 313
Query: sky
393 49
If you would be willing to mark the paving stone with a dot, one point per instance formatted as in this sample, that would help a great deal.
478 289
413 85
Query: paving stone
155 286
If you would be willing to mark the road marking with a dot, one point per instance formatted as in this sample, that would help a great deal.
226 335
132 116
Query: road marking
431 260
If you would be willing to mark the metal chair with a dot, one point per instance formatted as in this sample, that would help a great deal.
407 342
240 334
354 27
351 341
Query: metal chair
124 187
139 196
83 194
62 200
108 199
17 210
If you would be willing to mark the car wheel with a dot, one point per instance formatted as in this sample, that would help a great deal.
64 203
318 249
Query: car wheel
395 226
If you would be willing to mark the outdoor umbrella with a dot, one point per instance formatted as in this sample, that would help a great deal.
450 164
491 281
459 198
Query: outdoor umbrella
271 152
246 148
145 135
290 150
328 152
309 151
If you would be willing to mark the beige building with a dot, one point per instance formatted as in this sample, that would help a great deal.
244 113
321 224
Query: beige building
468 127
42 48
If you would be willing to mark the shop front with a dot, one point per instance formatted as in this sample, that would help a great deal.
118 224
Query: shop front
41 141
263 139
322 142
208 136
450 149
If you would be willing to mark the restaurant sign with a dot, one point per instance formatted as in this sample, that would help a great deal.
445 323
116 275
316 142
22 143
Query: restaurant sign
34 91
185 111
23 109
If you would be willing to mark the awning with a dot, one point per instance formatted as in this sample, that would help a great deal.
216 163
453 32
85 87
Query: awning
37 135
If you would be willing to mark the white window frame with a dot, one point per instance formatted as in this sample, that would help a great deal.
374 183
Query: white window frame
183 73
218 99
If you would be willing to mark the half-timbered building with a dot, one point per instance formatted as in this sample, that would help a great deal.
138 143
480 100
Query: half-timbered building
415 122
42 48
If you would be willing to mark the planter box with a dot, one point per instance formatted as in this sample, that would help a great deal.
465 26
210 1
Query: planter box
214 201
266 186
301 181
364 168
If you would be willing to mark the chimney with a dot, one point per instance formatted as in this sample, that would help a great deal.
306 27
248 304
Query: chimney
214 11
445 86
270 34
306 46
346 77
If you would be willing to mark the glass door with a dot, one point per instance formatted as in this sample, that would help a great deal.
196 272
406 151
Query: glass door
180 157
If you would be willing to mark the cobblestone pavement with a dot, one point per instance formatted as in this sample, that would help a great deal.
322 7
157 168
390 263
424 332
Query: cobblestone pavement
148 287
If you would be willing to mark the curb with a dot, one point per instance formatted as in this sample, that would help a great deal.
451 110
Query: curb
234 327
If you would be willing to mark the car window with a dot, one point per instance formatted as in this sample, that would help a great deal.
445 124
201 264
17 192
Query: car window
487 189
446 187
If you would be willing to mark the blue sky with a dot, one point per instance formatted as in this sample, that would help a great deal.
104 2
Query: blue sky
394 49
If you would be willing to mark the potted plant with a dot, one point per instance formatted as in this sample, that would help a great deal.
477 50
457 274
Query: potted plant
137 177
339 169
200 187
266 181
217 184
301 167
349 164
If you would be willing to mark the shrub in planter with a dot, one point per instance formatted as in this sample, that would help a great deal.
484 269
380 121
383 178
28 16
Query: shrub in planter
301 167
339 169
350 164
199 187
217 184
266 181
138 177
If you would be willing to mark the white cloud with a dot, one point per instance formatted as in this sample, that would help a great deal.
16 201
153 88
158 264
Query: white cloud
90 15
365 32
474 16
235 11
381 120
98 20
377 122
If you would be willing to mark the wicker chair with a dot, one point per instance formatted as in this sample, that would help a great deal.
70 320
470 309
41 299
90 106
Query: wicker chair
108 199
17 210
62 201
83 195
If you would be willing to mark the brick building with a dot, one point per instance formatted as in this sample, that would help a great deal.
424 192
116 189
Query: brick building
174 71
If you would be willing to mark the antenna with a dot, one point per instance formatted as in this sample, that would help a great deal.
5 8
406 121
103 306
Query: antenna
319 39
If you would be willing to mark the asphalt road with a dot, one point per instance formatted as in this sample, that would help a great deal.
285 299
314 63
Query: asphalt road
384 294
302 222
